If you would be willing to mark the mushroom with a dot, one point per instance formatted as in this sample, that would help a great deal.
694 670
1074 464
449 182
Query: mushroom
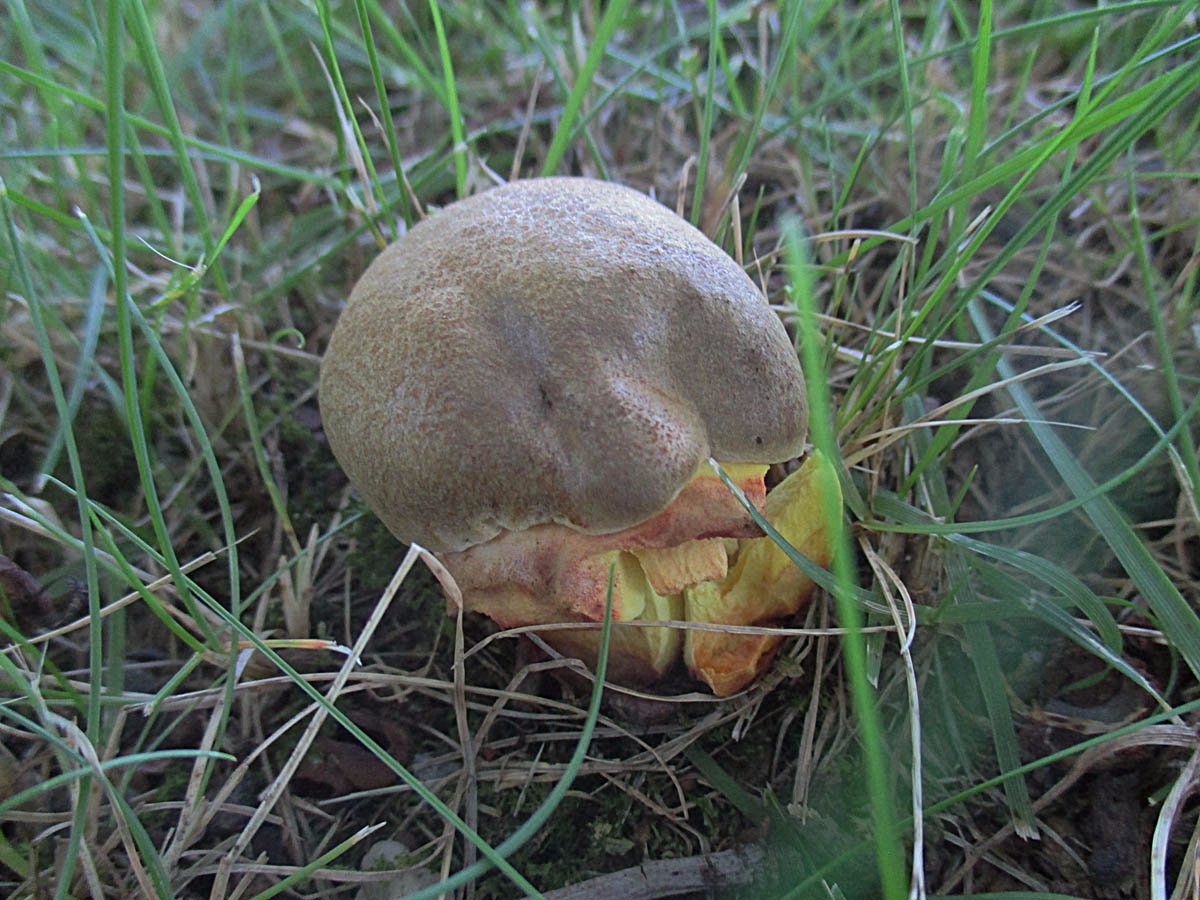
529 384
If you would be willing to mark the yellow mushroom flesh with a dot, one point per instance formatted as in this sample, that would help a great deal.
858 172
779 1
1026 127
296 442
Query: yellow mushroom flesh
551 574
764 586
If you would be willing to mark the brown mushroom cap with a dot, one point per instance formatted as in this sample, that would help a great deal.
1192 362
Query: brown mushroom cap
557 350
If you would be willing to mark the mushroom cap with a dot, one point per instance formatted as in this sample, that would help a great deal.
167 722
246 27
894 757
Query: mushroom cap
556 350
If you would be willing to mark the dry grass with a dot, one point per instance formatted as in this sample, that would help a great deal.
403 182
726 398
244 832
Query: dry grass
173 525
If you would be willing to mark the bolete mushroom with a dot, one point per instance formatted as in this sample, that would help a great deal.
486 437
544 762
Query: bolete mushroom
529 383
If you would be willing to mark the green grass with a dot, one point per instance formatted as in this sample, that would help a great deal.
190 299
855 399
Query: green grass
991 280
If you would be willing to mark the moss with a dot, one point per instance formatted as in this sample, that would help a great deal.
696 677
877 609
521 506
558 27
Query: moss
558 855
374 550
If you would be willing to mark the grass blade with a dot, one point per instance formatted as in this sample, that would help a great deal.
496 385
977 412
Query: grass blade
889 856
707 125
1176 617
542 814
157 79
614 14
459 150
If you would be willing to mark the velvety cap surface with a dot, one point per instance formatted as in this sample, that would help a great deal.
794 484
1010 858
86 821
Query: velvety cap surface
554 350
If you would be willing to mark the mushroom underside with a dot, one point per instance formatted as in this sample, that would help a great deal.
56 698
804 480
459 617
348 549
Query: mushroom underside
702 560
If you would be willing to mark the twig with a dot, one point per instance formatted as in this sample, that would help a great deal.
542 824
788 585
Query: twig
672 877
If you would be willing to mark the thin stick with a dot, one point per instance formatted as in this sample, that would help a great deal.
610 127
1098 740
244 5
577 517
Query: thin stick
906 627
530 108
672 877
